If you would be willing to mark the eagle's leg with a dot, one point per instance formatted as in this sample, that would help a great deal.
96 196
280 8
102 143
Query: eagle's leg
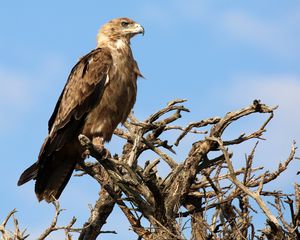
98 143
84 141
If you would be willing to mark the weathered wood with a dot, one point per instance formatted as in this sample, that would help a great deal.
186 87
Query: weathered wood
204 194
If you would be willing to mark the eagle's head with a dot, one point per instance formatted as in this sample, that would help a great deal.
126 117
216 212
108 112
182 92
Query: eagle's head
118 29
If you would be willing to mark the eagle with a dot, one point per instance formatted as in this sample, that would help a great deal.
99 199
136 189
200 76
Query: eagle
99 94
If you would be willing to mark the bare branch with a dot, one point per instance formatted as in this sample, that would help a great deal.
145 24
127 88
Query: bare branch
17 233
53 226
197 192
254 195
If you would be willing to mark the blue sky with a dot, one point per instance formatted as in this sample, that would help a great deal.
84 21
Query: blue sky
220 55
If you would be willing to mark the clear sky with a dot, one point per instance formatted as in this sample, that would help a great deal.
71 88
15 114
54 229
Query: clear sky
220 55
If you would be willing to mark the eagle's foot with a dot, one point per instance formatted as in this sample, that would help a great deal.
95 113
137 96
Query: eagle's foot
98 143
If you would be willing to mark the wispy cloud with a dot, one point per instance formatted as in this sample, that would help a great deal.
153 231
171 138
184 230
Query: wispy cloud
14 90
282 90
275 35
15 98
21 91
276 89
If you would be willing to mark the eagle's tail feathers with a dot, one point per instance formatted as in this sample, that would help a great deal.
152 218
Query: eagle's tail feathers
55 174
29 174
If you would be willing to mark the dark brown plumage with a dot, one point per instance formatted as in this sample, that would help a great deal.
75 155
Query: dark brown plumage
99 94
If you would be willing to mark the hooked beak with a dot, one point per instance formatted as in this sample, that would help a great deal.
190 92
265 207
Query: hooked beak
138 29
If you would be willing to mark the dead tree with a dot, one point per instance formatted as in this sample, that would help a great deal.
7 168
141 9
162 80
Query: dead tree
201 197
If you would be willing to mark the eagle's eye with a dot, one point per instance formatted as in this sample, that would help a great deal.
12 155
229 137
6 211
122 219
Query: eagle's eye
124 24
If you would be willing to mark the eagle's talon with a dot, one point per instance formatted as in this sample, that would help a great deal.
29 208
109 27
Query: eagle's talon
98 143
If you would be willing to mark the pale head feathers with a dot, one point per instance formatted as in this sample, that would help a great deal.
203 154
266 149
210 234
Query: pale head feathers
118 32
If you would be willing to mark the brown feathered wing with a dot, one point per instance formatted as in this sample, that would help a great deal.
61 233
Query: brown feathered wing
61 149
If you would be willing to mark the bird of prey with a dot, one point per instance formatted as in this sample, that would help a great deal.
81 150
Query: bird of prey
99 94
